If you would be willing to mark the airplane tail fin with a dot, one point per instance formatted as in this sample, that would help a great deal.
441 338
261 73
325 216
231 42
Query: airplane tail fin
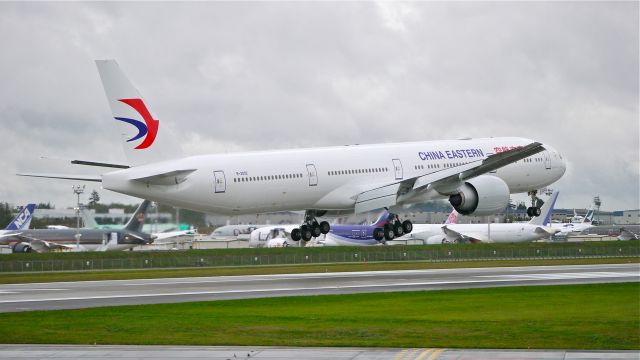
545 211
453 217
23 219
589 217
382 219
88 219
137 126
137 220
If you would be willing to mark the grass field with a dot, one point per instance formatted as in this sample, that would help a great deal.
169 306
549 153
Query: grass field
16 278
601 316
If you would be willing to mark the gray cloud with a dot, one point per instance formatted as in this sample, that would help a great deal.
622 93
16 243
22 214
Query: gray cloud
245 76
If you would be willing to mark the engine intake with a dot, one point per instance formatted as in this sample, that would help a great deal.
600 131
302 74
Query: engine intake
22 248
483 195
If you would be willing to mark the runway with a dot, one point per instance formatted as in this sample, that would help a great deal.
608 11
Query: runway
236 353
83 294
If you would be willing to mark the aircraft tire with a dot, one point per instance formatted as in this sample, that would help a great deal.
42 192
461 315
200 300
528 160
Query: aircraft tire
315 230
296 234
388 232
536 211
407 226
529 212
397 229
325 227
378 234
306 233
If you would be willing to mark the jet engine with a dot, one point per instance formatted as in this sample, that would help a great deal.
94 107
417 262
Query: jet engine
22 247
483 195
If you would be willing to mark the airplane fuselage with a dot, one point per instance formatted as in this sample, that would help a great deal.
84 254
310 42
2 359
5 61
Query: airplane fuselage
321 178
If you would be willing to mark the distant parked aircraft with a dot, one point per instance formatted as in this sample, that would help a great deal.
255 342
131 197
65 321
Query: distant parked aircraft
535 229
45 240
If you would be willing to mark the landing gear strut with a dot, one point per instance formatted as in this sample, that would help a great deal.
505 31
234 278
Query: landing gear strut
536 204
311 228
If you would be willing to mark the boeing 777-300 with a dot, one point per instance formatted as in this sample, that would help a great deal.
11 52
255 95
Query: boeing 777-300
476 175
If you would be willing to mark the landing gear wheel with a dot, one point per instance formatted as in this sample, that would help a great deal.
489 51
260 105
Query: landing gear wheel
388 232
533 211
296 234
325 227
306 233
407 226
315 230
397 229
378 234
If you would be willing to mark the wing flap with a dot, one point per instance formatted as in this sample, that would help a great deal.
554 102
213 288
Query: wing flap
378 198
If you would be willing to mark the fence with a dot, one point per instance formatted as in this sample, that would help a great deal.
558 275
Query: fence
428 254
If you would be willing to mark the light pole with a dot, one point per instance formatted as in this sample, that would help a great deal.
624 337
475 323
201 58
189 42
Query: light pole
77 189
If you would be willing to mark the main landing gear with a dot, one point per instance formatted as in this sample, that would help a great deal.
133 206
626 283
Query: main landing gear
392 229
536 204
311 228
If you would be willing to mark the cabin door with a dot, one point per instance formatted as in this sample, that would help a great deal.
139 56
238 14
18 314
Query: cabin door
397 168
313 175
220 181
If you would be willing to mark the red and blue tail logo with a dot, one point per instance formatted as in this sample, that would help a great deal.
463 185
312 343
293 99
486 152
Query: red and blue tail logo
148 128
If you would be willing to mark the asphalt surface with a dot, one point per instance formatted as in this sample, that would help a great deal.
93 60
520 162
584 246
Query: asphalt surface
235 353
82 294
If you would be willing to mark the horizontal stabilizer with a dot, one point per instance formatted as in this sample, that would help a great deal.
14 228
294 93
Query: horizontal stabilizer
546 230
168 178
94 178
99 164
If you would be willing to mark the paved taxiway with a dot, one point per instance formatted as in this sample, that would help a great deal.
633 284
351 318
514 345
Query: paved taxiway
236 353
82 294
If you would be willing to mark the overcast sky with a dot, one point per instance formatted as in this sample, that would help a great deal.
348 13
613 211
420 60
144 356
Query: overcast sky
226 77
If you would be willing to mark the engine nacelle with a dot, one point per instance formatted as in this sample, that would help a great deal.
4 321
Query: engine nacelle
483 195
22 248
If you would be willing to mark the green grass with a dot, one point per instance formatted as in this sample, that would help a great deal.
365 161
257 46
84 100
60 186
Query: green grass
599 316
16 278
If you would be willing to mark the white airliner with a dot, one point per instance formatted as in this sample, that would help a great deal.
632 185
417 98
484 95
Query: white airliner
535 229
581 224
476 175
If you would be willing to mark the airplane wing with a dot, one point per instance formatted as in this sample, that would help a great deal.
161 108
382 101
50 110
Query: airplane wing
42 245
444 181
457 237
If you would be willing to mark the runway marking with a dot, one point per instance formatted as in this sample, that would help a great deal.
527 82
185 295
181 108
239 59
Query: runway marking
400 355
495 278
424 353
435 354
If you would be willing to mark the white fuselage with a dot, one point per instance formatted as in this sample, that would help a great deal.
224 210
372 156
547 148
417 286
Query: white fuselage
571 228
493 233
322 178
